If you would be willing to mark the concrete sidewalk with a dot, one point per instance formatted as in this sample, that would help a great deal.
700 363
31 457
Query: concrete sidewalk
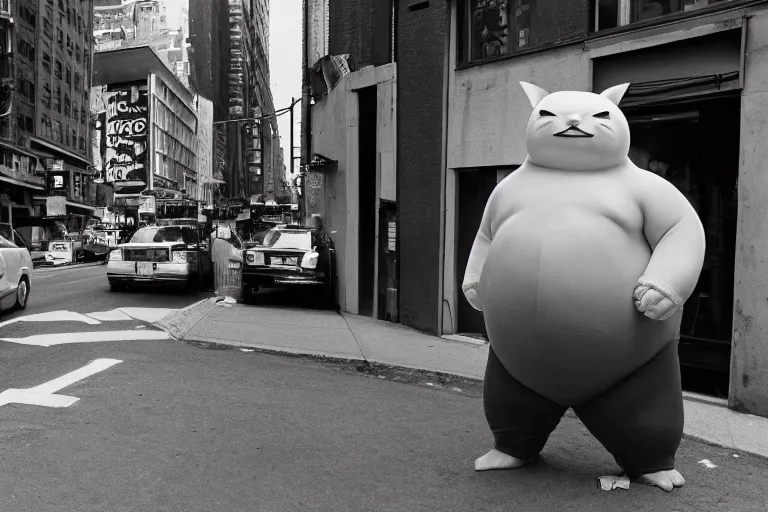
352 337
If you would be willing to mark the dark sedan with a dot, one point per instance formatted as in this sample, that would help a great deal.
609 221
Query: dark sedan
290 257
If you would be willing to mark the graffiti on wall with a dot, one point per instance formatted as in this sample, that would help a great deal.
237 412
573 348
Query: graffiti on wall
124 131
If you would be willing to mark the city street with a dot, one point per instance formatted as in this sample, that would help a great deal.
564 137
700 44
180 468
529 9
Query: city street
162 425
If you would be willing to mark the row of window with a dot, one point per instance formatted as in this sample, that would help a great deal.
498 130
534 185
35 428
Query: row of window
28 15
55 131
26 50
26 89
59 72
25 123
54 102
492 28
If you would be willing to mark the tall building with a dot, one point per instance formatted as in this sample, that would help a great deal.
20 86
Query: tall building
208 51
249 173
148 134
47 51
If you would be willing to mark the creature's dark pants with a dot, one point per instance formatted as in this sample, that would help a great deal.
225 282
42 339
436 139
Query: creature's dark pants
639 420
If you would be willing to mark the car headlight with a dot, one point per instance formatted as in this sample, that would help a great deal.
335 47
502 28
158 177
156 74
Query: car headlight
309 260
254 257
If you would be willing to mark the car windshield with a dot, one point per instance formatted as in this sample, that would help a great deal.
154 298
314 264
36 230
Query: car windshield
164 234
283 239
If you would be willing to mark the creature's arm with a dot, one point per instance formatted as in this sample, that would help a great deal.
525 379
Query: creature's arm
676 236
477 256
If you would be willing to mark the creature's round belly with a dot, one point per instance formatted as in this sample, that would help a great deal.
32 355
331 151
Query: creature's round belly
557 298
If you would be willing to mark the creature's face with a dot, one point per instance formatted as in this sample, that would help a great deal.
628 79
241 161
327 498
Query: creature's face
578 131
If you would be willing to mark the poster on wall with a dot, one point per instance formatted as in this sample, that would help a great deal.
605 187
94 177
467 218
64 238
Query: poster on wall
122 134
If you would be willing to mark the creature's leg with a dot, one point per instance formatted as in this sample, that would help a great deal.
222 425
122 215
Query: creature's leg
640 420
521 420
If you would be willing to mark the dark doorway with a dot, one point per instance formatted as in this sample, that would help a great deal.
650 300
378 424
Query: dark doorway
474 188
387 261
695 146
367 200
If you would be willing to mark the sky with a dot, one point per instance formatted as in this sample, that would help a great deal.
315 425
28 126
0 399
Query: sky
285 67
284 63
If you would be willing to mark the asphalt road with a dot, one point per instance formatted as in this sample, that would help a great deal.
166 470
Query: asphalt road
85 288
174 427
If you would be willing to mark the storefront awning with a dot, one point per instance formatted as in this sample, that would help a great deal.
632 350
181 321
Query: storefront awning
20 183
18 149
59 150
662 91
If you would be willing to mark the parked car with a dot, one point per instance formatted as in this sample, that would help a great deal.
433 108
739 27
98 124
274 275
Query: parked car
290 257
15 269
158 254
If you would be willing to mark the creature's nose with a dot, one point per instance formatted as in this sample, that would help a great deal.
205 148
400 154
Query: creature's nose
573 121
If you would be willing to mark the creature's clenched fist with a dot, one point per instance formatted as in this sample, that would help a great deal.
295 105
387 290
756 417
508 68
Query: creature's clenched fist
470 292
653 304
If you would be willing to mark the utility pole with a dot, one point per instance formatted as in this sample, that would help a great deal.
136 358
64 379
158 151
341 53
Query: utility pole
293 101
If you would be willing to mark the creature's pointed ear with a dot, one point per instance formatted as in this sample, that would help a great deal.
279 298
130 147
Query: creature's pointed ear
615 93
534 92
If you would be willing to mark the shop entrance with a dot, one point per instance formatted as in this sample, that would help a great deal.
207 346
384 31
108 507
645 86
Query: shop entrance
474 187
695 145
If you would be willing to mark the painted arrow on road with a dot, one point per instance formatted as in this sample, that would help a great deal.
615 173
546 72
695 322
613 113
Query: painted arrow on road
44 394
49 340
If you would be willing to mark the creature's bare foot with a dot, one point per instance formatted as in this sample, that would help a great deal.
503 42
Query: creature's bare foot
666 480
495 459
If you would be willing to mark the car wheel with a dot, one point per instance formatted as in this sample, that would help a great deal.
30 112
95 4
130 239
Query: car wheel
22 293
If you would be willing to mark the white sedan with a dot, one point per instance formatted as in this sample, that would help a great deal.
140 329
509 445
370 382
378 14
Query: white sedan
15 269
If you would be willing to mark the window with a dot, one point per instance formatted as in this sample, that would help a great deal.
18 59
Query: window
73 138
26 89
46 95
77 81
47 62
70 46
81 145
67 105
60 37
493 28
57 100
75 111
26 50
77 53
79 25
617 13
69 74
47 27
57 69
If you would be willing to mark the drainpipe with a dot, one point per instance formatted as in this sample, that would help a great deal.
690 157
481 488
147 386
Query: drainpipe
444 174
306 132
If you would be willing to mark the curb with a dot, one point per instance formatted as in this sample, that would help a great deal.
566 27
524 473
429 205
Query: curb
179 323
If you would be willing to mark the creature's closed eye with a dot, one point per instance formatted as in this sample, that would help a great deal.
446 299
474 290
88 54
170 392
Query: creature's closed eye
603 115
546 113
